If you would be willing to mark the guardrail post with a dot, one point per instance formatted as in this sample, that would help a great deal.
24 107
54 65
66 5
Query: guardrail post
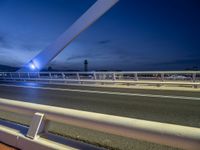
78 77
37 126
28 75
162 76
94 74
114 76
3 76
49 76
194 77
63 75
38 74
136 76
11 75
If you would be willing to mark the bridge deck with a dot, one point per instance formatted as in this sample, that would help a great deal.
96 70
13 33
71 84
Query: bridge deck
168 106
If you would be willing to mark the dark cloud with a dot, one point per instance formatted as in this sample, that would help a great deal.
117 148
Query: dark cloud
87 55
179 64
103 52
77 57
182 61
29 47
2 39
102 42
4 43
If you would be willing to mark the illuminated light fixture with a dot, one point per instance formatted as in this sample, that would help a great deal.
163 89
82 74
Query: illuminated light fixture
98 9
32 65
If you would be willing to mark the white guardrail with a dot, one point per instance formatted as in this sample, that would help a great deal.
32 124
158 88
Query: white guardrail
180 78
156 132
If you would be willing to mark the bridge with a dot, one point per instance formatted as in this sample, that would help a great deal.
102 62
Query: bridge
97 110
157 107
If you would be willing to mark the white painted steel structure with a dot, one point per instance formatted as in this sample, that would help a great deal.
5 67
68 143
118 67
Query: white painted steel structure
156 132
168 78
87 19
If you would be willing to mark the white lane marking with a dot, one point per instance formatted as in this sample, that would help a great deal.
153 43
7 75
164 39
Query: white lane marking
104 92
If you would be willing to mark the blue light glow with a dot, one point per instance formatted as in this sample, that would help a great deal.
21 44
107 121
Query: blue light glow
32 66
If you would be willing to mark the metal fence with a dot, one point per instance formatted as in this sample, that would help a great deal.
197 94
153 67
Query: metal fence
164 77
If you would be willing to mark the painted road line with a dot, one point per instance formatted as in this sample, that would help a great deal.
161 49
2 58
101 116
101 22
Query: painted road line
104 92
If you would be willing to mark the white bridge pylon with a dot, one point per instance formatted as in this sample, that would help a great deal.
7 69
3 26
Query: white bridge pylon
88 18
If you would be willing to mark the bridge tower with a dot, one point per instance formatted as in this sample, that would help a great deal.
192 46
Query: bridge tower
85 65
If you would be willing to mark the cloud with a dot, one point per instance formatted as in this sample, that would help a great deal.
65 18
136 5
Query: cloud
178 64
14 52
101 53
15 56
85 56
185 61
34 46
103 42
76 57
4 43
2 39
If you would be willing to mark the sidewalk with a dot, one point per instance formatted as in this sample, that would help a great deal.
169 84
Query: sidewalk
6 147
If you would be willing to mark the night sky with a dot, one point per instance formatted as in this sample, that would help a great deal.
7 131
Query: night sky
133 35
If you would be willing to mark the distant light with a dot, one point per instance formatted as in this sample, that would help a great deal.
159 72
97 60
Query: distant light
32 66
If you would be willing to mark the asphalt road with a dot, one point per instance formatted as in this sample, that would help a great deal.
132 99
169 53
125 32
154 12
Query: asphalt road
177 107
158 105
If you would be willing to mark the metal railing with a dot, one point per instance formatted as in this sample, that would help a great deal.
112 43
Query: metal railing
161 133
145 77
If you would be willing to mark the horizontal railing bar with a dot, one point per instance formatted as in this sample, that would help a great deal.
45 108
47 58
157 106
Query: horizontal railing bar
187 82
161 133
118 72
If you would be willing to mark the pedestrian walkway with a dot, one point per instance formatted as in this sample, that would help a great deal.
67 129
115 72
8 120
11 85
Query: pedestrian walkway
6 147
